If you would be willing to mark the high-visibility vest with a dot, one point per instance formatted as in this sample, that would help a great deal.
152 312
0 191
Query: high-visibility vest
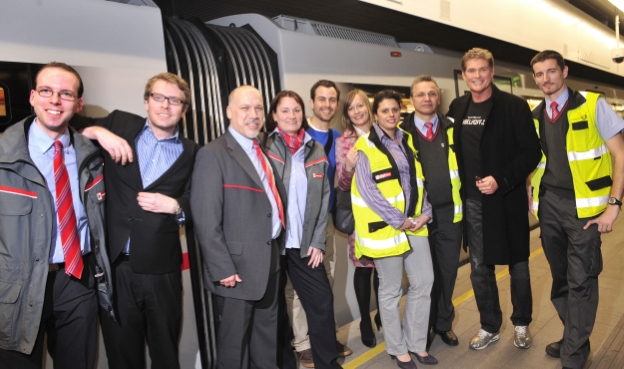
589 158
373 237
458 211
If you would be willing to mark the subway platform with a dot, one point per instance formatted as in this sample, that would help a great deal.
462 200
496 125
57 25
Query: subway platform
607 339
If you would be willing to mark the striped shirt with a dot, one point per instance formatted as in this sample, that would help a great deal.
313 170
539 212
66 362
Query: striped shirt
368 188
156 156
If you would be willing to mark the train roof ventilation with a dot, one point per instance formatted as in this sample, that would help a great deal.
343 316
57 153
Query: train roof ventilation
330 30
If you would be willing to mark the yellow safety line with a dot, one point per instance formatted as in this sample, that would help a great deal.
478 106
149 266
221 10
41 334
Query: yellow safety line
368 355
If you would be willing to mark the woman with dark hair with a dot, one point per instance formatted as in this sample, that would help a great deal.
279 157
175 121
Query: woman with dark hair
357 118
391 213
302 166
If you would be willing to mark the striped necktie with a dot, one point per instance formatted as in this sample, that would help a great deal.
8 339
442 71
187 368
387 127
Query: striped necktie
269 174
554 111
429 126
66 216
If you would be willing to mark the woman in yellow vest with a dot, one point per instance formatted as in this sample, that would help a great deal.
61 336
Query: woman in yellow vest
391 213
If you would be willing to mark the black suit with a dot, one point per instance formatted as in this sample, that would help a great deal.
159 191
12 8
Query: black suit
234 229
148 286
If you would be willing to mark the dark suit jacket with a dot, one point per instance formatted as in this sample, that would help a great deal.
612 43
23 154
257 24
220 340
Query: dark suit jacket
233 219
154 238
510 150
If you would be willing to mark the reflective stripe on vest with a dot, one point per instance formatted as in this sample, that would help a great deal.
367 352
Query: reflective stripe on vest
589 160
458 213
384 241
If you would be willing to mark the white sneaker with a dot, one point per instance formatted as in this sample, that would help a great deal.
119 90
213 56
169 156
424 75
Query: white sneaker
522 337
483 339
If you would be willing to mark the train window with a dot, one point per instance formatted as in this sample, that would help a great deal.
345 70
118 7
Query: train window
5 106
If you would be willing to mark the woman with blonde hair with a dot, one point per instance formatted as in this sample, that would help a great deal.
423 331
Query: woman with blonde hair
357 118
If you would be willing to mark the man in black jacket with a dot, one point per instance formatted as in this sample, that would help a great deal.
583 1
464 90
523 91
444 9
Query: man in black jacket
432 135
497 148
148 199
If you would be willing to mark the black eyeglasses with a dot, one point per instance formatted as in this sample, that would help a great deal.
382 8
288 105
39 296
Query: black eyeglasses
63 95
172 99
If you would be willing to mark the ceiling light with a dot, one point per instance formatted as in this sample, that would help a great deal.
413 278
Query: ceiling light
618 4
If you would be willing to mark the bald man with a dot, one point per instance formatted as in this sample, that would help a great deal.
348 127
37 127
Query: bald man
237 202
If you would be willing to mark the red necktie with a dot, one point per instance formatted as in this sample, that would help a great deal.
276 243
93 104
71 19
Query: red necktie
269 174
554 111
429 126
66 215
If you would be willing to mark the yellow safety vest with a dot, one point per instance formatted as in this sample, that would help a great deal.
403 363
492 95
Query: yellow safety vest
589 158
374 238
455 182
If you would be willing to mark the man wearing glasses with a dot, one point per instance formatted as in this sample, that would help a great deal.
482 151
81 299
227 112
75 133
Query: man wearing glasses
432 135
148 199
52 257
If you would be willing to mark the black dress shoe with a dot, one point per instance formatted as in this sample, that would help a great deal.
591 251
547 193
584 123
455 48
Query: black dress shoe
448 337
426 360
554 349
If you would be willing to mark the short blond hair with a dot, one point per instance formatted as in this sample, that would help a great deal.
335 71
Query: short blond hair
477 53
424 78
170 78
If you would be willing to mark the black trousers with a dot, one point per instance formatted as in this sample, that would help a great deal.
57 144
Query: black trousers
148 307
69 319
317 299
247 333
483 279
575 260
445 244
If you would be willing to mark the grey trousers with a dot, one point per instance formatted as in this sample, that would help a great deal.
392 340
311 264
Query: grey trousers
412 335
575 262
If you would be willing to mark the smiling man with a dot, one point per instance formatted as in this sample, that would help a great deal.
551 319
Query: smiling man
148 199
577 189
432 136
51 231
238 204
497 147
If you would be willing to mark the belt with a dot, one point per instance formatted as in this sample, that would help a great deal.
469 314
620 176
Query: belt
55 267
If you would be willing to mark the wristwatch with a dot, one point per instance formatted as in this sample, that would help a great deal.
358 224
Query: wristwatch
614 201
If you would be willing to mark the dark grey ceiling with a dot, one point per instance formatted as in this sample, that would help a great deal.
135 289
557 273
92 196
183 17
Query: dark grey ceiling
404 27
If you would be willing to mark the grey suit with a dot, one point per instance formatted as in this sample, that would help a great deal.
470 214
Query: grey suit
234 227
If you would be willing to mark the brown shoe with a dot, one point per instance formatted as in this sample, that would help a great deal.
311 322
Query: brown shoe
343 350
305 358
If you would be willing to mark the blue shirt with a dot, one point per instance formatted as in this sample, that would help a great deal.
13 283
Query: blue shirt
420 125
247 145
41 149
321 137
155 158
297 197
607 121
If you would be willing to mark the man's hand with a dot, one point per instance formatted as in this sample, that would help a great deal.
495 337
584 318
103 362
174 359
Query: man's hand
157 203
230 281
118 148
529 189
407 224
487 185
605 220
316 256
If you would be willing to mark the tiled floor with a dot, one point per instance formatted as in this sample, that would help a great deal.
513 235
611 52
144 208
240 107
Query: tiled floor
607 338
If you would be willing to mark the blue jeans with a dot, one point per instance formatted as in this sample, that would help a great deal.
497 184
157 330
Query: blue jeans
483 279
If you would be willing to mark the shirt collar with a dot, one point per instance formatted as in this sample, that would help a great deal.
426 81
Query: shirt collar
314 128
38 138
561 100
420 124
175 137
382 134
246 143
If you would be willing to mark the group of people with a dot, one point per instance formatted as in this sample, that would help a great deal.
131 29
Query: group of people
82 226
